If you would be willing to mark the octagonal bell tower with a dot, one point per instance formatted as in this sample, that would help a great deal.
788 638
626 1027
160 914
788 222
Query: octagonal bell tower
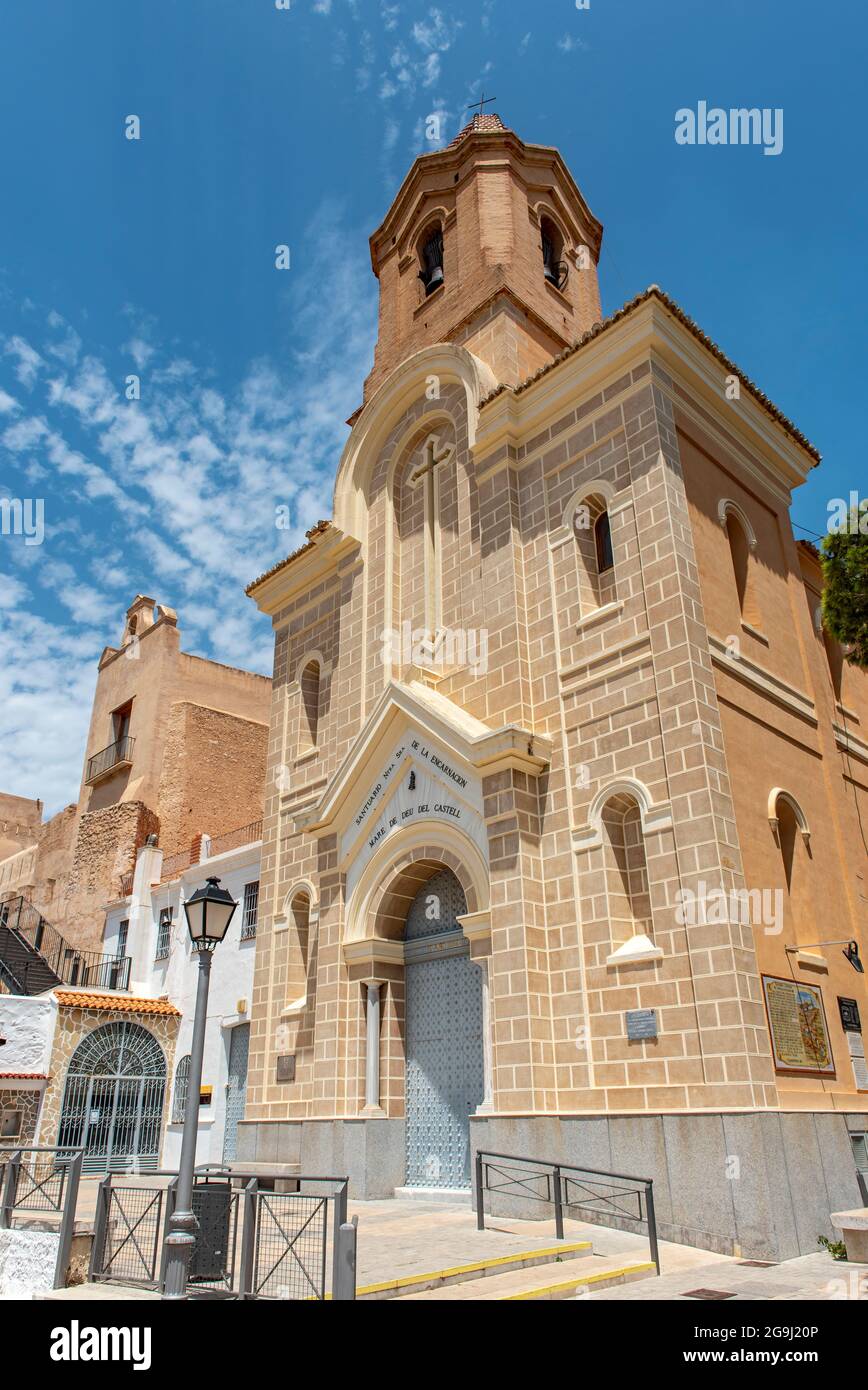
489 244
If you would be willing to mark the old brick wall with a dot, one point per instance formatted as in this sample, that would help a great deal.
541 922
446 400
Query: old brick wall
213 774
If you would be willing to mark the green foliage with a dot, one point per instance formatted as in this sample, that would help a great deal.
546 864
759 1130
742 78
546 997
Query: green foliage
836 1248
845 592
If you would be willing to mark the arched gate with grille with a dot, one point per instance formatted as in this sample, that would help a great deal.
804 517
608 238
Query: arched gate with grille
113 1099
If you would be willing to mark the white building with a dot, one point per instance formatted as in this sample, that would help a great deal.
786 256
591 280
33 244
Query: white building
104 1065
150 927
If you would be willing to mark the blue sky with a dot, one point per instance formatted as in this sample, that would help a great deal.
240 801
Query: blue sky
262 127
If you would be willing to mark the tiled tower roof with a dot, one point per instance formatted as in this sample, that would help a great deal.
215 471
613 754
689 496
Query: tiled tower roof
483 121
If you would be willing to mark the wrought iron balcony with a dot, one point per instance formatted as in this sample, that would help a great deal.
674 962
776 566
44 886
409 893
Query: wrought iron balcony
117 755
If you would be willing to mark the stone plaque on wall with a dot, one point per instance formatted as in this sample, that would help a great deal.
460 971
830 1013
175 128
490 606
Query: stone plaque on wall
641 1023
286 1068
849 1011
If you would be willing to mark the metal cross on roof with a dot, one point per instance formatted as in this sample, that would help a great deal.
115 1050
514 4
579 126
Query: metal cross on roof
483 101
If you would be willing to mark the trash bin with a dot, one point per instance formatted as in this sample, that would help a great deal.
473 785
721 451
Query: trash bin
212 1207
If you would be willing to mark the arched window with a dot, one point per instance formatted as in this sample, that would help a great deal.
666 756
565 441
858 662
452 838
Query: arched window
790 828
834 653
596 556
309 718
430 253
742 545
629 901
603 541
552 247
179 1099
299 916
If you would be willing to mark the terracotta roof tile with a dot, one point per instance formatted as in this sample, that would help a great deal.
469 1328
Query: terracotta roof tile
314 531
655 292
486 122
23 1075
120 1003
810 549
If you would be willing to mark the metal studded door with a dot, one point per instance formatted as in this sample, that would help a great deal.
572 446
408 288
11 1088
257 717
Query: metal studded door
236 1088
113 1099
443 1031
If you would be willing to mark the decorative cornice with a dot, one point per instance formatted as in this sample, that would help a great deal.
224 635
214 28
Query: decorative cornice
762 680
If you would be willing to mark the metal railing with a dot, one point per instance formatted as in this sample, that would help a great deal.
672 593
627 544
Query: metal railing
588 1192
233 839
43 1185
252 1242
107 758
68 964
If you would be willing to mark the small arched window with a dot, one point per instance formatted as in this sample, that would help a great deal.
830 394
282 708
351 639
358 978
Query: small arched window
552 247
300 922
182 1082
792 833
594 549
309 682
742 544
431 259
834 655
603 542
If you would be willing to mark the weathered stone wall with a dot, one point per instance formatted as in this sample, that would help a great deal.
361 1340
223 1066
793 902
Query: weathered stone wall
27 1101
104 851
20 819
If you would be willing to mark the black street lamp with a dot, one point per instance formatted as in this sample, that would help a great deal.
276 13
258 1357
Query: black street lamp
208 912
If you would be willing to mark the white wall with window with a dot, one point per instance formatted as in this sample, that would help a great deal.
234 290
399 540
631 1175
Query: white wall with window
151 928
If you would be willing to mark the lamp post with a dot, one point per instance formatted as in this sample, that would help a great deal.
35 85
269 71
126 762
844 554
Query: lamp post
208 912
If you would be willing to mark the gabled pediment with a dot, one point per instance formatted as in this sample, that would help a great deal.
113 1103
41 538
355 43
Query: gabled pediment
361 785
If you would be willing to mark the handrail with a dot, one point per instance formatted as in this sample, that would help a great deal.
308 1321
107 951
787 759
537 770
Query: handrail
70 1160
70 964
561 1199
343 1259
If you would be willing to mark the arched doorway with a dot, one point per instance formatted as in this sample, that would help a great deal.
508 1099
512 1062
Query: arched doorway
113 1099
443 1036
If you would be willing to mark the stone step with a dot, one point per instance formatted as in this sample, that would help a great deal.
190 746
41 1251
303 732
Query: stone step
478 1271
545 1281
453 1196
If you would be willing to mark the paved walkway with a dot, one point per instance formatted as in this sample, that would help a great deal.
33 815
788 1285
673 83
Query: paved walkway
810 1277
403 1238
412 1236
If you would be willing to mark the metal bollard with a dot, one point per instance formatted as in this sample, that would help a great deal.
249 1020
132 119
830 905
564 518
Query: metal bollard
345 1261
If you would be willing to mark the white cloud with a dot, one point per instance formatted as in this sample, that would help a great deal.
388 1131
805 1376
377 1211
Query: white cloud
29 361
174 494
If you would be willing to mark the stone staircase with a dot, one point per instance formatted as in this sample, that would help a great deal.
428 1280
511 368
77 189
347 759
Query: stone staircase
562 1271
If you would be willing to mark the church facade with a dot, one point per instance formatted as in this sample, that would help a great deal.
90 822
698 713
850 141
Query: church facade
566 786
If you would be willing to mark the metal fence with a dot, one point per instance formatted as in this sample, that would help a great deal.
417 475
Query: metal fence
587 1194
252 1242
42 1181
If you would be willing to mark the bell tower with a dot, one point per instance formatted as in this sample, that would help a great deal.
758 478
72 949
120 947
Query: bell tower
489 244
